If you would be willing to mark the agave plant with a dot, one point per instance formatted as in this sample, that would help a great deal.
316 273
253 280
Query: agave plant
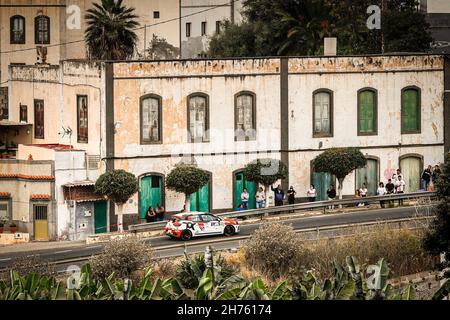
31 287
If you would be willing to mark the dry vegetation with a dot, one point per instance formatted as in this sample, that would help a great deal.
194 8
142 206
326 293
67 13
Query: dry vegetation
286 255
123 257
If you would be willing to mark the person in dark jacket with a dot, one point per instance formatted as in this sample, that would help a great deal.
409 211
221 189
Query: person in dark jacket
331 193
160 212
151 215
279 195
291 196
426 178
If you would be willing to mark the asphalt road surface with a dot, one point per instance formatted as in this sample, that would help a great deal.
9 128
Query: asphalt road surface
166 247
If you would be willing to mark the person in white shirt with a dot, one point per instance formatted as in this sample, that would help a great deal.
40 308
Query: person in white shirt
381 191
400 188
312 193
260 198
244 199
363 192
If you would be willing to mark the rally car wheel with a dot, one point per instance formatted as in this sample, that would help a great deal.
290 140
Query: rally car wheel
186 235
228 231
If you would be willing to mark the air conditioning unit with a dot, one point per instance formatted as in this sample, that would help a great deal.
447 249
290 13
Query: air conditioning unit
93 162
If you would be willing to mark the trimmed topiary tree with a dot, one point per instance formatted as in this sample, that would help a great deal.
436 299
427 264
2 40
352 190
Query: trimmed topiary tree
265 172
118 186
186 179
437 238
339 162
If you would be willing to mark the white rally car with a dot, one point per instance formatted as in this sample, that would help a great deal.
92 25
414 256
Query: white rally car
185 226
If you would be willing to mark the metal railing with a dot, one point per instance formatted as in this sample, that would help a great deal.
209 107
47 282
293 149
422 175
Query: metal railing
297 207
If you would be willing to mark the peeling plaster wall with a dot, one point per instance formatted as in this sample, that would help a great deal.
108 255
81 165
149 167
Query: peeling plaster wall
59 86
222 79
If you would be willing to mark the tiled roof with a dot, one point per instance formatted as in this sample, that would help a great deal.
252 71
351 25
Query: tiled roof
40 197
24 176
5 195
56 147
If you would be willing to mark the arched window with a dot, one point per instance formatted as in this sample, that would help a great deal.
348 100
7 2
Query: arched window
42 30
198 117
151 119
17 28
411 106
323 113
245 116
367 112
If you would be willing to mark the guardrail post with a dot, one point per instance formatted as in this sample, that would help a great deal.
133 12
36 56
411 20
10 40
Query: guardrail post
318 233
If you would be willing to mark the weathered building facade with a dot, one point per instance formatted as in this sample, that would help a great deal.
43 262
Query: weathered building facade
391 107
147 117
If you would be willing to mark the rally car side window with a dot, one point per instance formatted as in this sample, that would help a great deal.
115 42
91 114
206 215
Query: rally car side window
195 218
207 218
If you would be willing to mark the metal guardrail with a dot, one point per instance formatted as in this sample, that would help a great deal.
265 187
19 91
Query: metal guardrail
296 207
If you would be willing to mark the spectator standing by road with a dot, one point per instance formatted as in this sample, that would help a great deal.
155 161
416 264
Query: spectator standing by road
312 193
160 212
260 198
244 198
435 174
381 191
390 189
291 195
331 193
150 216
279 195
358 196
426 178
400 188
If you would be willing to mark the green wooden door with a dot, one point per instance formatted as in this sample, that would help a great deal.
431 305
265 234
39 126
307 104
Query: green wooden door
100 217
199 201
369 176
411 172
322 181
150 193
239 185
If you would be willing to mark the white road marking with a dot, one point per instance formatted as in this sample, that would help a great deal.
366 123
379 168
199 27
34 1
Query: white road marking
65 251
7 259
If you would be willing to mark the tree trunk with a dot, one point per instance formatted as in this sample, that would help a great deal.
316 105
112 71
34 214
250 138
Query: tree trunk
120 217
266 194
340 186
187 203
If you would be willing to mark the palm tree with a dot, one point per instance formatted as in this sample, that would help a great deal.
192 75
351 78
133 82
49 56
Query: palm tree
110 34
308 21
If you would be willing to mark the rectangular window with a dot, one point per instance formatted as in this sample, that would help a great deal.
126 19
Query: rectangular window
23 113
203 28
217 27
4 212
4 103
411 111
322 114
42 30
367 114
198 115
40 212
155 14
82 119
188 29
245 118
17 30
151 120
39 119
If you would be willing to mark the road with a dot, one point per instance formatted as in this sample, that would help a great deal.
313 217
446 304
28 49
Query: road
166 247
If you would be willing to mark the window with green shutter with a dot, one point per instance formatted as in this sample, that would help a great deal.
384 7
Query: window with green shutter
411 110
367 112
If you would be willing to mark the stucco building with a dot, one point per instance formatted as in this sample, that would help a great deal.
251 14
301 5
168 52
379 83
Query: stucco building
146 117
